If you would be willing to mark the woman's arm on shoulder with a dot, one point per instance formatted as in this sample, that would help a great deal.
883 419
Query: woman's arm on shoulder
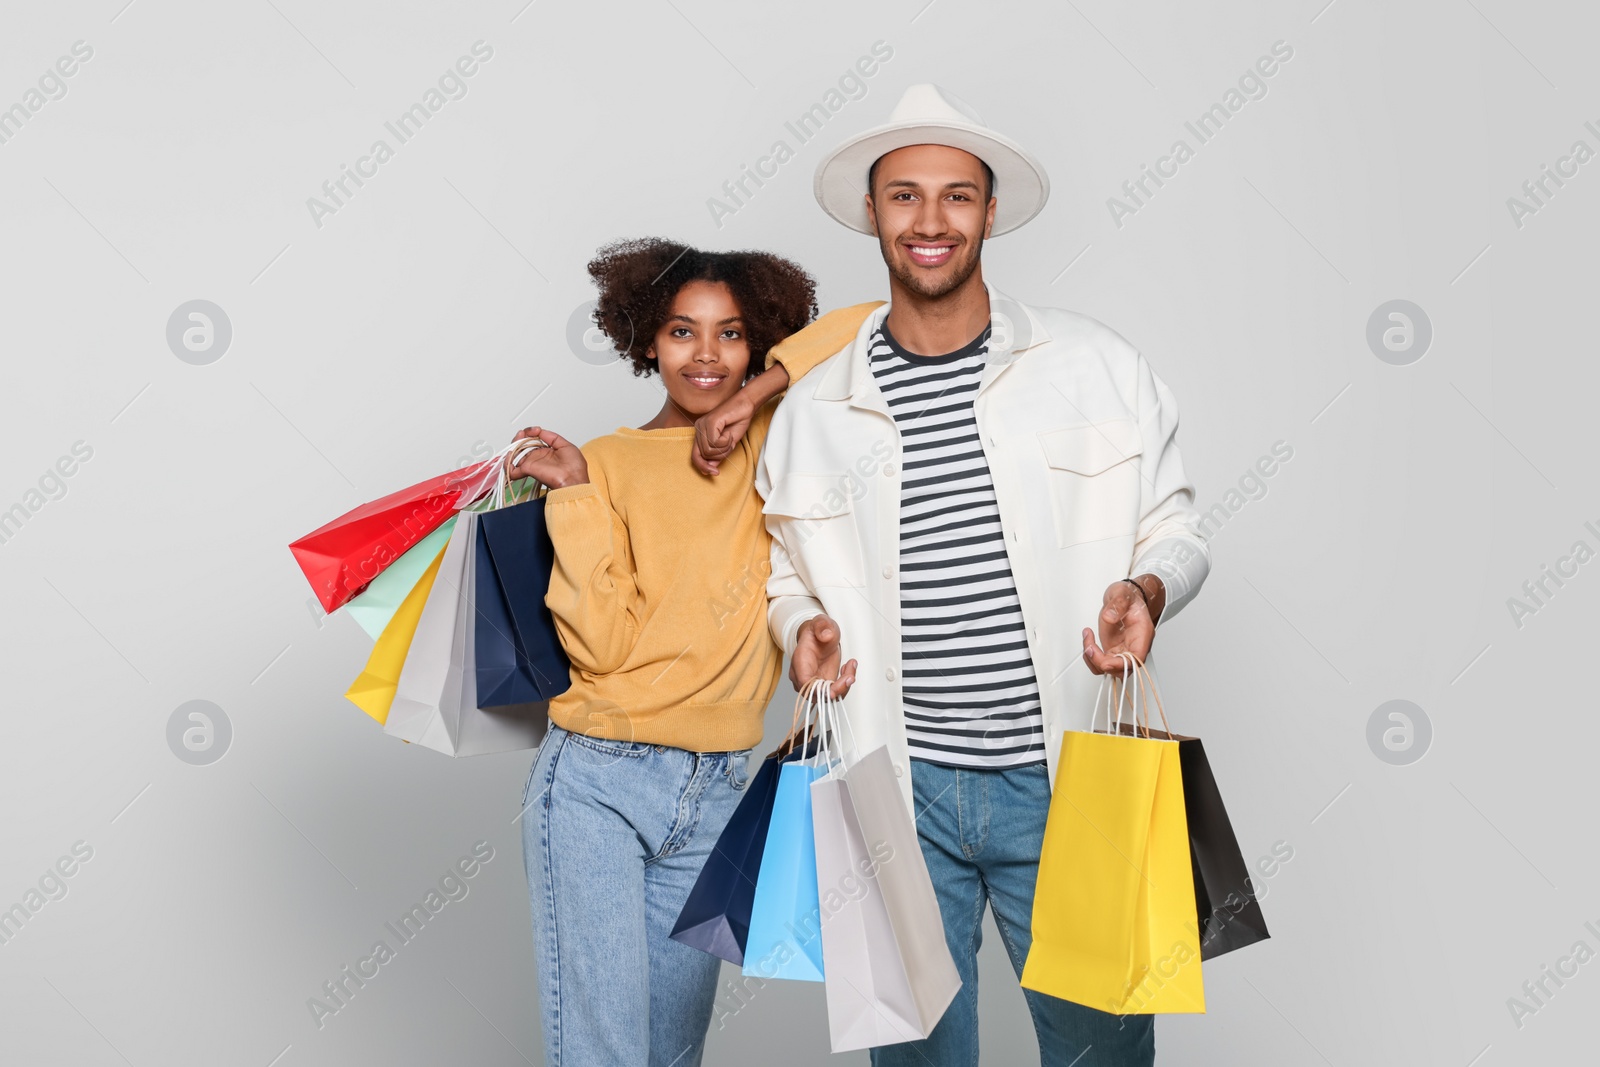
801 353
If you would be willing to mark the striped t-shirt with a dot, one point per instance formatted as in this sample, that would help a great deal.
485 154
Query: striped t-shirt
969 691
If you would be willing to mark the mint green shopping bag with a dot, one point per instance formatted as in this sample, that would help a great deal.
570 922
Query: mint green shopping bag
378 602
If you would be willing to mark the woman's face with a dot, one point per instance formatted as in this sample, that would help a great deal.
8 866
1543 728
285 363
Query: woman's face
701 349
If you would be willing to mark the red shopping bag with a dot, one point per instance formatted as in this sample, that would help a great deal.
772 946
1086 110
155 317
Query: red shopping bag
342 557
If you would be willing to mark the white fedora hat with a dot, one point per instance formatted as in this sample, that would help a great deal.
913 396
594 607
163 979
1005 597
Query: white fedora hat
927 114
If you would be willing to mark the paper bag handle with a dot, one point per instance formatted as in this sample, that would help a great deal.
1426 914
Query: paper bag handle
1140 678
1150 681
1143 679
1094 715
800 725
832 711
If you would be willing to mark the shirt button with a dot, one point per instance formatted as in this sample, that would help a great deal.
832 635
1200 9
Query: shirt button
888 572
889 674
889 469
991 441
899 771
1016 535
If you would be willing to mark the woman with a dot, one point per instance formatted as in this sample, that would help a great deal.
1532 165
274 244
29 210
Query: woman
659 595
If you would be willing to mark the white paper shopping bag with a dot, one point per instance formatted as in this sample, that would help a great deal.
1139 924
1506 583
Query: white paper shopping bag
890 975
426 672
911 903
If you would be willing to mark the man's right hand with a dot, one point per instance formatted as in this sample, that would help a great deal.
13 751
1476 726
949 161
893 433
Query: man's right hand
816 655
720 429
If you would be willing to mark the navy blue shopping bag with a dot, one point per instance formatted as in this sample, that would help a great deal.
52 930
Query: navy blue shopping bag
716 915
519 656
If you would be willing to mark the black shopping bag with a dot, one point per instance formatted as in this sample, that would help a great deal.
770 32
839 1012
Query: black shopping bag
1228 913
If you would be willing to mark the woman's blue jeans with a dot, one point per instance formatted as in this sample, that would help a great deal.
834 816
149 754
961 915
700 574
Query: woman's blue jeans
614 835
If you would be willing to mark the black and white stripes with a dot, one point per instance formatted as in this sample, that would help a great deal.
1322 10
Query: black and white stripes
970 695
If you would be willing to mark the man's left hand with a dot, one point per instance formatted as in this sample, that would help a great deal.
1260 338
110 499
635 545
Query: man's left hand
1126 625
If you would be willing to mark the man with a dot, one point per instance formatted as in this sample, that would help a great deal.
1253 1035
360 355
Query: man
949 497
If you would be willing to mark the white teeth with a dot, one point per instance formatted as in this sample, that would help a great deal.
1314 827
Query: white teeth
928 251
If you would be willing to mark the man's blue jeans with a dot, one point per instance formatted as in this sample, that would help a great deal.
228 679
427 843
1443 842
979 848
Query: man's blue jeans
614 835
981 831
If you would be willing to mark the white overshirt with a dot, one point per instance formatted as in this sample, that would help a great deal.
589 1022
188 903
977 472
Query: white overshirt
1079 434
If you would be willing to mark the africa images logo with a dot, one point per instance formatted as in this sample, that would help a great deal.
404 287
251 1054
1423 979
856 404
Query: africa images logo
452 85
454 885
852 85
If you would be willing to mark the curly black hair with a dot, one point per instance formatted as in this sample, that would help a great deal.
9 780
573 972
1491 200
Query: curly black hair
639 279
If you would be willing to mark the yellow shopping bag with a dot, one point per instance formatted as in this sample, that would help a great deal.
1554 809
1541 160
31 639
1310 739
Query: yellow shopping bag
1114 924
373 691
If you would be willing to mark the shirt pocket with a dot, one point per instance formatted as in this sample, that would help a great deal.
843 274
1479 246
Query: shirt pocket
1093 473
816 518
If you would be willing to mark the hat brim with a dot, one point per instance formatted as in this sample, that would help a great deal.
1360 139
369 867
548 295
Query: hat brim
1021 184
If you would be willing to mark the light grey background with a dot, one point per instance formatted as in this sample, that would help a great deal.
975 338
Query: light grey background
427 318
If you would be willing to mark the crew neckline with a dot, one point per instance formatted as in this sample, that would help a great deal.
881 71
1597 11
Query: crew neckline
663 431
972 347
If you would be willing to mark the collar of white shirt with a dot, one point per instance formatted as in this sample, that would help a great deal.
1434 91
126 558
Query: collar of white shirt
1014 329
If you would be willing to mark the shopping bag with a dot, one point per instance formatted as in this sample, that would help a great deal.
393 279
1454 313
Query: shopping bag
519 655
890 975
785 938
1225 899
500 666
374 688
339 559
435 703
376 604
1225 902
425 677
716 915
1114 920
469 728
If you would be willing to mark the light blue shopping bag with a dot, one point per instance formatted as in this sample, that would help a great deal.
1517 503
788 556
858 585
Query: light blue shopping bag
377 603
785 938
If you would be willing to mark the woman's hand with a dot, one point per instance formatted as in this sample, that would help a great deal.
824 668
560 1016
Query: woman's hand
555 462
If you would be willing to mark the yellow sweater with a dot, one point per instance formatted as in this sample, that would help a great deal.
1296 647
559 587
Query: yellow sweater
659 589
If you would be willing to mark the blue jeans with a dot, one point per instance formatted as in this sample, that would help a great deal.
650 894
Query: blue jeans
614 834
980 832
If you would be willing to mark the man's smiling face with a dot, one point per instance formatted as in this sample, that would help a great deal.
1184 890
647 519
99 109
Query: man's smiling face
932 209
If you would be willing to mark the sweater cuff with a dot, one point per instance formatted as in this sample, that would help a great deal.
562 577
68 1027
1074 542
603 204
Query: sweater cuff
572 492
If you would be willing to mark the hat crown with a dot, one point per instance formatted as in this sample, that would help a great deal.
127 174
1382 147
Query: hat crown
928 115
927 102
